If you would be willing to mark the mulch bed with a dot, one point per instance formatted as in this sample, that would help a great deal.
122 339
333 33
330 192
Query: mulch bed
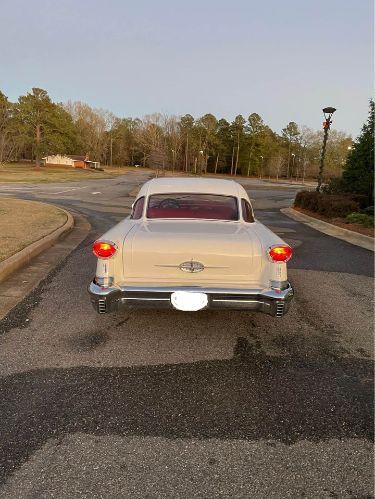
340 222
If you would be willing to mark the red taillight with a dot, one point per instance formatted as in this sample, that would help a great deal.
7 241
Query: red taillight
282 253
104 249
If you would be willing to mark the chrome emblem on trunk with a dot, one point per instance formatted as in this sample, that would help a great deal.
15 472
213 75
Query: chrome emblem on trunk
191 266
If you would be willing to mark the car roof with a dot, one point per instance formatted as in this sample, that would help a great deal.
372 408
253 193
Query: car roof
191 184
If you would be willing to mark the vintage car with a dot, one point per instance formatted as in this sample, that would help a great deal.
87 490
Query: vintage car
191 244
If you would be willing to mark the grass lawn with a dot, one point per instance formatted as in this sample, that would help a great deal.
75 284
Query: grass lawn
27 173
23 222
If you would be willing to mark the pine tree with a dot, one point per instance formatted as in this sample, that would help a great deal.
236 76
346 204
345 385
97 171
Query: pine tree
358 172
44 125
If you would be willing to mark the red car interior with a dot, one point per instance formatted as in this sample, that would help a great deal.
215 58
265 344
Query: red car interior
216 213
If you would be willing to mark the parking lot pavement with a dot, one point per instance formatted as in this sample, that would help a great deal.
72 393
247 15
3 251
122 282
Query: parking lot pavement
211 404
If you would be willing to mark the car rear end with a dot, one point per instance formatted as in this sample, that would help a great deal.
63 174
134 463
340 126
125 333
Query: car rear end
167 259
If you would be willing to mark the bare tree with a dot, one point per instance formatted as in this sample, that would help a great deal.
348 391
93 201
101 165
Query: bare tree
92 125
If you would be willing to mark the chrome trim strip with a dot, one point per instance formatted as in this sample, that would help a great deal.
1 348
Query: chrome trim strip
230 300
178 266
276 294
200 289
140 298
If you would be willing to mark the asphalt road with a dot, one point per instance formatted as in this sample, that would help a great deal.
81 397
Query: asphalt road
166 404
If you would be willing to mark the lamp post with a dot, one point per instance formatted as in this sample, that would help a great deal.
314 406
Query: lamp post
328 112
261 167
111 150
173 158
293 164
201 161
304 170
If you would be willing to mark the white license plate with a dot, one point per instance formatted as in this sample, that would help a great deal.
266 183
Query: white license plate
189 301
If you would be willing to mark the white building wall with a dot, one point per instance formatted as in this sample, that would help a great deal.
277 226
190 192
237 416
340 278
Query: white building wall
58 159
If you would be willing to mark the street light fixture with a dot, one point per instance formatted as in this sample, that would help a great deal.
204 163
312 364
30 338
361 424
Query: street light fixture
328 112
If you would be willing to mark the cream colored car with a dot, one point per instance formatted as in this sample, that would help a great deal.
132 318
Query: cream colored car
191 244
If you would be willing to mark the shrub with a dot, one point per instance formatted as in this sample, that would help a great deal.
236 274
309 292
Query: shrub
329 205
335 186
369 210
307 200
360 218
336 206
361 199
338 186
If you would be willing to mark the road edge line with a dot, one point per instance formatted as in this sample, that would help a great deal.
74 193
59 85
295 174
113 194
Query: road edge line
23 257
349 236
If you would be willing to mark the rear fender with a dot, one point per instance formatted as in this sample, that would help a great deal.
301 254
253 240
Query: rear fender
110 270
273 272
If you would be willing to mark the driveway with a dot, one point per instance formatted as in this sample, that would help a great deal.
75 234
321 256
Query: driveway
166 404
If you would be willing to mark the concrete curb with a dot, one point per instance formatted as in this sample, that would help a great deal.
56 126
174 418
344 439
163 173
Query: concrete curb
23 257
306 185
331 230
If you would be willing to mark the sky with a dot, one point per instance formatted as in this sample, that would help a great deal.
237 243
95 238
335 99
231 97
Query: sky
283 59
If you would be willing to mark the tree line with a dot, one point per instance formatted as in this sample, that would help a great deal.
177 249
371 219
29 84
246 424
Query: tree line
35 126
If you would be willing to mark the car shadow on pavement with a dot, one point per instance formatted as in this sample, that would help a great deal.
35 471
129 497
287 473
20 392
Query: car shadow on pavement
251 396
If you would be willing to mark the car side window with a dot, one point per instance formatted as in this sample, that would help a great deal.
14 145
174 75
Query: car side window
137 210
247 212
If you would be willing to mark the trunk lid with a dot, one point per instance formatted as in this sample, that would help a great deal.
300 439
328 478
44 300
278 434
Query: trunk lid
166 251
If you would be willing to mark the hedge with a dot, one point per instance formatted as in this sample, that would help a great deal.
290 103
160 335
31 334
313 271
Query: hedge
329 205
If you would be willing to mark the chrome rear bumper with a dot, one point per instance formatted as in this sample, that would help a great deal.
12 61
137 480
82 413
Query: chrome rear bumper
274 302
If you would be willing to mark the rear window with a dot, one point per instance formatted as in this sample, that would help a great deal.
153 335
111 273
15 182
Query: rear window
137 210
247 213
190 205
